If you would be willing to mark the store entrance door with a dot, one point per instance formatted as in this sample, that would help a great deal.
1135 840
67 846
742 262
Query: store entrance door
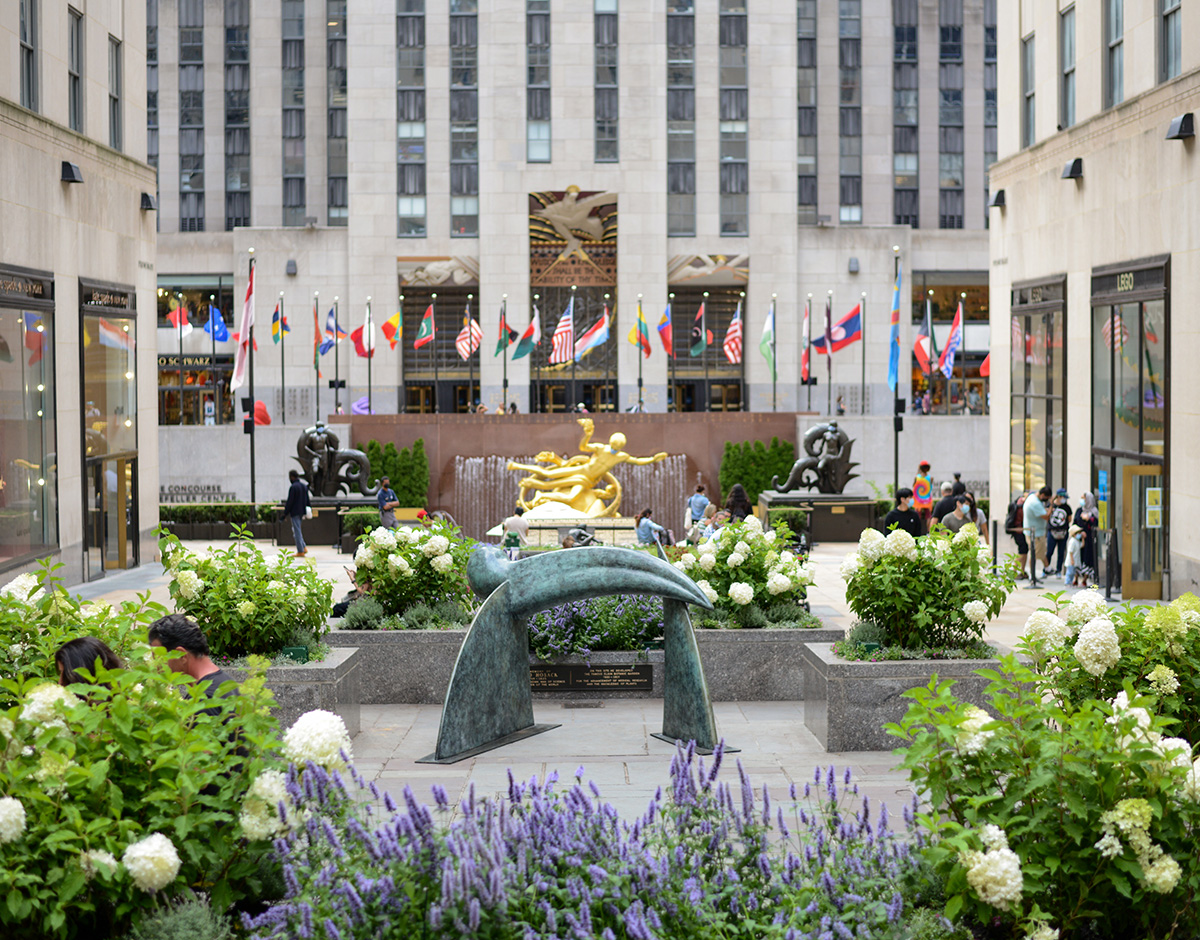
111 525
1143 524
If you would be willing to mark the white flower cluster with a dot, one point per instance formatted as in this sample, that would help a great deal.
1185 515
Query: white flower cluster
1097 648
899 544
741 593
735 559
851 565
383 539
778 584
1048 628
97 862
189 583
41 705
260 817
318 736
364 557
975 611
741 548
1042 931
1130 820
994 874
442 563
12 819
870 546
275 587
1163 679
686 562
24 587
435 545
967 535
708 591
399 563
246 609
1191 783
708 561
972 737
51 771
1086 605
153 862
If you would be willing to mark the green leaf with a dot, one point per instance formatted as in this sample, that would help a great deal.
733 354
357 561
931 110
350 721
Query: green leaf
953 906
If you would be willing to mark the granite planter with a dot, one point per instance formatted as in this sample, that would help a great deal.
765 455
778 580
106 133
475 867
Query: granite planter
333 685
414 666
846 704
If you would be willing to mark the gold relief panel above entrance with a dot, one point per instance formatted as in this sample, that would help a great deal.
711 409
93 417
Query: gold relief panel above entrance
572 238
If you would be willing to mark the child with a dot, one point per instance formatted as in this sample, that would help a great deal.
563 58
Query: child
1074 552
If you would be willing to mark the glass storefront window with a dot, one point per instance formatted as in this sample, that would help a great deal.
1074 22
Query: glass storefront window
109 385
28 462
1154 361
1037 454
207 301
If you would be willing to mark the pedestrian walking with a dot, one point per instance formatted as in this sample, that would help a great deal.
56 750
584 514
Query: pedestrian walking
1087 517
297 508
946 503
979 517
1074 555
516 533
1058 525
922 493
1037 511
1014 525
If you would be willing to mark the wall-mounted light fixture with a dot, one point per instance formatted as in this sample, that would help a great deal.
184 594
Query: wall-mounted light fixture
1074 169
1182 127
70 173
853 265
148 203
997 200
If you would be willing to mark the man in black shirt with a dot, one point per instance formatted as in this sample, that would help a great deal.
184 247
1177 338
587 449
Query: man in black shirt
944 505
903 516
179 634
296 508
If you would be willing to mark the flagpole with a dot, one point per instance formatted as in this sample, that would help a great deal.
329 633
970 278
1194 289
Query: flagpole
829 354
179 332
808 351
639 355
774 361
337 360
704 340
282 363
607 359
433 351
932 345
674 396
896 417
574 389
401 404
742 357
249 339
316 360
862 327
537 395
212 363
470 361
370 345
504 351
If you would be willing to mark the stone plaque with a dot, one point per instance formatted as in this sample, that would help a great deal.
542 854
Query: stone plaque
577 677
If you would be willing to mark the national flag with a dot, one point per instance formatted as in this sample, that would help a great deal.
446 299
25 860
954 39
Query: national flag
35 340
111 335
1115 324
364 337
507 334
179 320
639 333
828 328
733 337
766 345
563 342
427 330
391 329
953 344
316 341
664 332
334 333
985 367
279 324
241 353
894 338
596 336
234 337
807 352
531 337
922 348
468 337
216 327
847 330
701 337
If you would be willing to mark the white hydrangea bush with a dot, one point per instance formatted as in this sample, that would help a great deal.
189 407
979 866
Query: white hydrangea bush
742 565
413 564
318 736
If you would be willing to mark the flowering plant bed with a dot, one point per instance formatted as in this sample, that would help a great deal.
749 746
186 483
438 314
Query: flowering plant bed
243 602
856 651
414 564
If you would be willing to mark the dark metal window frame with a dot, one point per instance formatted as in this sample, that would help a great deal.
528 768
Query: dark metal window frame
1034 307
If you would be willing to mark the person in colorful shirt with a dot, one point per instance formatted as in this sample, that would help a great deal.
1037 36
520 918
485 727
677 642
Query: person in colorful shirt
922 489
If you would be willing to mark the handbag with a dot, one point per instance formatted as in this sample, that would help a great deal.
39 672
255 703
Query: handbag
308 511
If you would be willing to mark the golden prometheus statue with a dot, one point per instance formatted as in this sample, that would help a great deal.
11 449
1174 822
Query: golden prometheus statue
584 482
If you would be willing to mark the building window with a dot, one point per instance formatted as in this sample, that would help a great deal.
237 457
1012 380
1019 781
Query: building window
681 119
1038 375
295 199
191 115
537 82
606 81
464 119
733 107
850 112
115 135
1114 52
950 28
905 115
989 30
410 113
1066 53
1170 39
237 114
337 200
989 102
28 46
1028 110
151 95
75 69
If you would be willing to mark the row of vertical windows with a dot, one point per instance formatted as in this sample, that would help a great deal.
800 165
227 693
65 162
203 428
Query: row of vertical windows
537 82
295 198
191 115
850 114
27 40
464 118
734 106
681 118
905 114
806 112
410 118
606 98
337 189
151 93
237 113
989 102
950 115
75 107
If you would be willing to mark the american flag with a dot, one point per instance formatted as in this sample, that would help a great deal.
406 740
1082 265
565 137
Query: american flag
733 337
563 341
468 338
1115 323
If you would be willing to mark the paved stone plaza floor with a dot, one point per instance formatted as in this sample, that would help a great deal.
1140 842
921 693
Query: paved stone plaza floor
611 742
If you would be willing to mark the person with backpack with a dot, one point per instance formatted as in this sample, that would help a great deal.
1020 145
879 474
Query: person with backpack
1058 524
1014 525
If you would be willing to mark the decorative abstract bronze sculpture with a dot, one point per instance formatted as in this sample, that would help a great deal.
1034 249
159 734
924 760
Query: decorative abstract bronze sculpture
583 483
489 702
826 466
327 469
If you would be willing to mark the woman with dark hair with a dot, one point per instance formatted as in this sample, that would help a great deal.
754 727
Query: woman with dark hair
738 504
83 653
649 532
978 516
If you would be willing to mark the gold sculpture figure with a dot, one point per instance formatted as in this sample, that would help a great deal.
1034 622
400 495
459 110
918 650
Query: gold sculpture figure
584 482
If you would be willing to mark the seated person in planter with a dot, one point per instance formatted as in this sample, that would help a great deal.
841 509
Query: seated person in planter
903 516
357 591
650 532
177 633
83 653
719 518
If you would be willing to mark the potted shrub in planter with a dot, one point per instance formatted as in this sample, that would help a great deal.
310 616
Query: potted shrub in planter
927 601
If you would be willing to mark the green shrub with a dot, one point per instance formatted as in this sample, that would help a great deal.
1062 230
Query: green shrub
866 632
795 519
577 628
243 603
374 452
753 464
183 919
357 521
407 565
417 483
392 466
364 614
